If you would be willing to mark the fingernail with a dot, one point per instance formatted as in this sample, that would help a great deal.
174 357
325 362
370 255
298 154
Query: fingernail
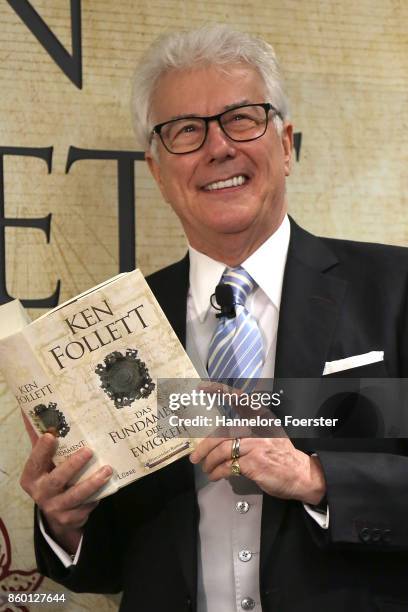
106 471
86 453
193 458
50 437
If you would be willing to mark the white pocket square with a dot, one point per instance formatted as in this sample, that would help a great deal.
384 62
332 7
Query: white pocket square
352 362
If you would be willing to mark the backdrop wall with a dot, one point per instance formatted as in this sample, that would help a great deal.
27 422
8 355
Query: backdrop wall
65 82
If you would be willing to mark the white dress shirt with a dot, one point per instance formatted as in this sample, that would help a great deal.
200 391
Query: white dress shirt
266 266
231 509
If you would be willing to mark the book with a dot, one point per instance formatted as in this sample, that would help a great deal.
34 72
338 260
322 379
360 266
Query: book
87 372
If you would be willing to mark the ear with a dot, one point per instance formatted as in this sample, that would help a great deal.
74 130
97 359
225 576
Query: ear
287 145
154 168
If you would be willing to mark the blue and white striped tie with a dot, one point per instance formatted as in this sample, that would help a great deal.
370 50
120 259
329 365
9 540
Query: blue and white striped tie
236 353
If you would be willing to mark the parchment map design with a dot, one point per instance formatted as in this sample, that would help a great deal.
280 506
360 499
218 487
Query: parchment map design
14 579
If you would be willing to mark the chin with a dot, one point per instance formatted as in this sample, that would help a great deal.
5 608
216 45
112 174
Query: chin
230 226
228 214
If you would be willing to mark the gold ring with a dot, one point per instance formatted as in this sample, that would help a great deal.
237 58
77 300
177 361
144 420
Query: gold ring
235 448
235 469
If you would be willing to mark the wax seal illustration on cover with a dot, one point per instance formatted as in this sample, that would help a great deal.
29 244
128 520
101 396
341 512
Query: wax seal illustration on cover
49 419
124 378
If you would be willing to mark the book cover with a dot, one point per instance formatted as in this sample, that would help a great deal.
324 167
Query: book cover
87 372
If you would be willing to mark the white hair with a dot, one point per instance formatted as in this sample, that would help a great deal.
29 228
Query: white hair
218 45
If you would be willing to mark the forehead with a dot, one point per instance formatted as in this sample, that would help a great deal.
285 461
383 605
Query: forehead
206 90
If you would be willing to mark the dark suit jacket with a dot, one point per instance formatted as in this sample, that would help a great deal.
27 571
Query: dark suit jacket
339 299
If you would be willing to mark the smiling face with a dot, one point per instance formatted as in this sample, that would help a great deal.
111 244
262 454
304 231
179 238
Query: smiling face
229 196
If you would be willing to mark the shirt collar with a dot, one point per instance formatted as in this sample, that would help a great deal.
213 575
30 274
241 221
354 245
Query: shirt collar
266 266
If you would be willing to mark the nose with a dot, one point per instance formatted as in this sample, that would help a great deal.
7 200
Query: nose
217 145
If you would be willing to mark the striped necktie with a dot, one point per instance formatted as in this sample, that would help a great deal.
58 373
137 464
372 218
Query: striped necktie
236 352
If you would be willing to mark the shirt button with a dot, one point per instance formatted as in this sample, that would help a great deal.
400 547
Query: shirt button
365 535
247 603
386 536
242 507
245 555
376 535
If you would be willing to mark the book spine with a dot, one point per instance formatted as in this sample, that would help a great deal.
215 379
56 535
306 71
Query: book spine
37 395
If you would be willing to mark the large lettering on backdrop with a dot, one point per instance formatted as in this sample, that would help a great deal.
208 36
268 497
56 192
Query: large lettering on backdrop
71 66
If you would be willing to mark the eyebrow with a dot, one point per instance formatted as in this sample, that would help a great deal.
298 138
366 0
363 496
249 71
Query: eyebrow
226 107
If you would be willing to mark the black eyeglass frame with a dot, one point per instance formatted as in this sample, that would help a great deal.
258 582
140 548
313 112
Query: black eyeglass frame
267 106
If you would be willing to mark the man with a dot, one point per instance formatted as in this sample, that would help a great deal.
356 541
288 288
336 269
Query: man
310 525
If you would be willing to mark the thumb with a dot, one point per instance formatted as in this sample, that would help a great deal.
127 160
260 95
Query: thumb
33 435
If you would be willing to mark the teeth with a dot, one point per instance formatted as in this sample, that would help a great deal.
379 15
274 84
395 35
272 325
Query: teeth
235 181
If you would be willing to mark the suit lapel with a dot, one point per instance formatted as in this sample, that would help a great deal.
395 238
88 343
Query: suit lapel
311 301
170 287
310 305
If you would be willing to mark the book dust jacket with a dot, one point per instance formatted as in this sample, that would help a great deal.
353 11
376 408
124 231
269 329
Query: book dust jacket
87 372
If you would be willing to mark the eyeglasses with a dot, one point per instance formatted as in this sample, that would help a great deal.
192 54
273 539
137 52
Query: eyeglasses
241 124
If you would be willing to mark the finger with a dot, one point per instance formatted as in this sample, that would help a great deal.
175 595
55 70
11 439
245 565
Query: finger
77 517
78 494
223 470
40 459
32 434
204 447
88 507
217 387
217 456
61 476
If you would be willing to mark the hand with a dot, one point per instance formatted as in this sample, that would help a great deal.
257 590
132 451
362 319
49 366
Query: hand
274 464
63 505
